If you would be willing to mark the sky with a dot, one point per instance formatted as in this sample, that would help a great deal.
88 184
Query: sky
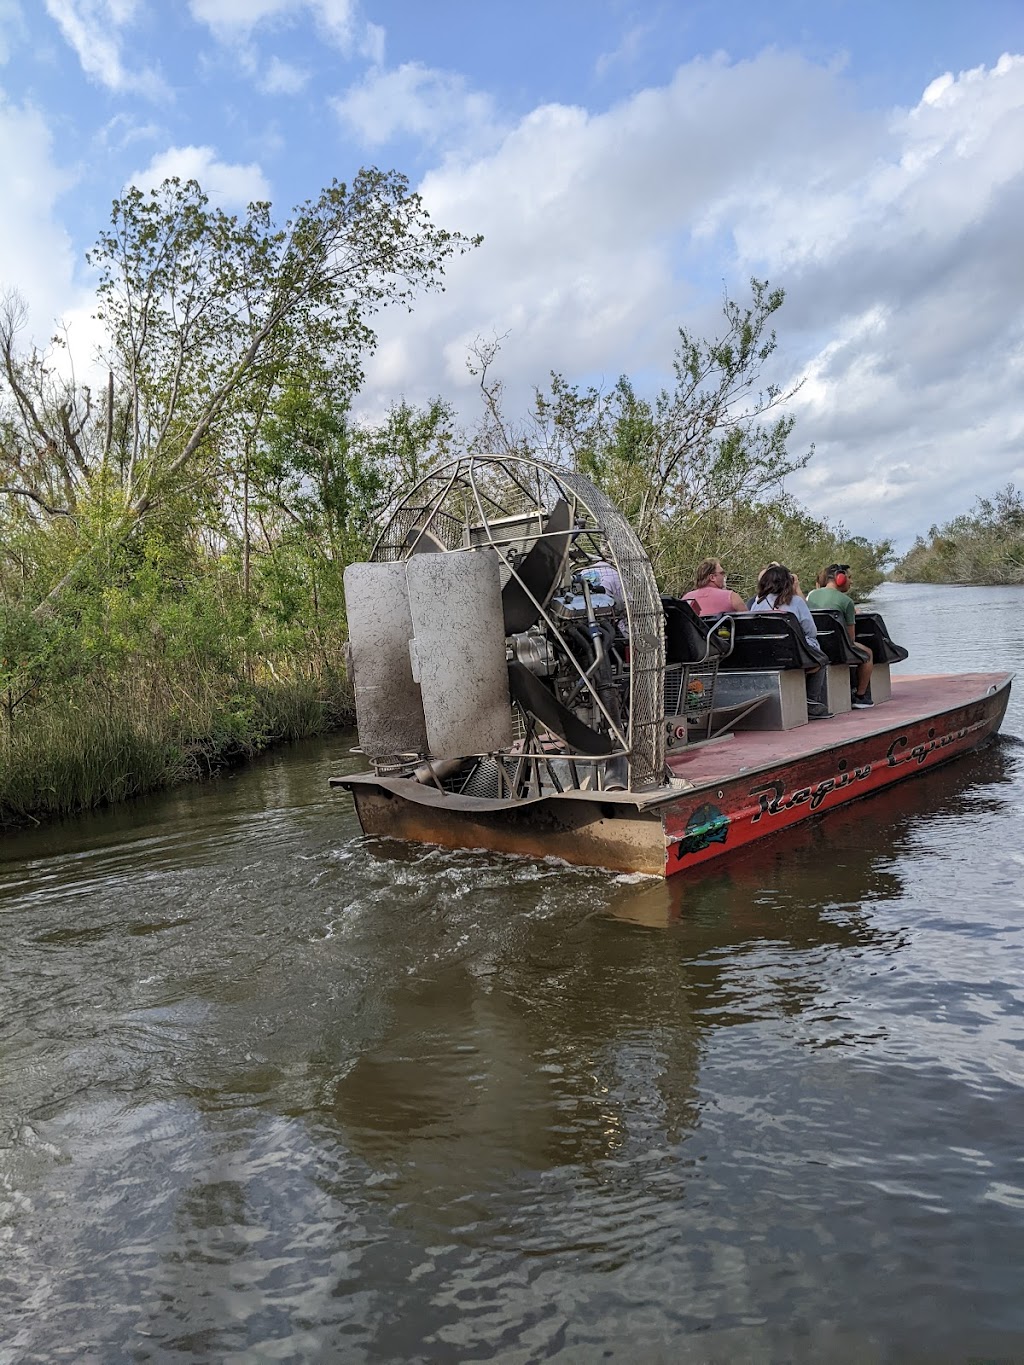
628 162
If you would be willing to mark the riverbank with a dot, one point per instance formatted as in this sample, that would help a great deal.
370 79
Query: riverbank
983 548
102 744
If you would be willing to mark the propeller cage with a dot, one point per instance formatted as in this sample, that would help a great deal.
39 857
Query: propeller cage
488 656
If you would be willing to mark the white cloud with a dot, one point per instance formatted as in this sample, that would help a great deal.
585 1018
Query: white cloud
36 255
373 43
629 48
232 21
583 216
434 106
92 28
338 18
12 28
896 237
921 241
239 16
123 130
283 78
230 186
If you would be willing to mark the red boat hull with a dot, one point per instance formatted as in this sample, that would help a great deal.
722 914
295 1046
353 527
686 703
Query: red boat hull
783 792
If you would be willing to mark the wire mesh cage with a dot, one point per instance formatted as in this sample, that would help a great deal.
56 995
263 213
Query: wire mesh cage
690 692
508 505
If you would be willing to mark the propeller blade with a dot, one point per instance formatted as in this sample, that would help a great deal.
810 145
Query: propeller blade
422 542
533 696
540 572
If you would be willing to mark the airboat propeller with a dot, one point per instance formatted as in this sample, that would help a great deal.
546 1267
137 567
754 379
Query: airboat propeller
482 630
530 587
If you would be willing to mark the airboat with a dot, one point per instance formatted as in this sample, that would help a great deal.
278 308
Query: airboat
522 686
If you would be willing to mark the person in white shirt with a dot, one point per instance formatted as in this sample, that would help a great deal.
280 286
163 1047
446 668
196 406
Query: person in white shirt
778 589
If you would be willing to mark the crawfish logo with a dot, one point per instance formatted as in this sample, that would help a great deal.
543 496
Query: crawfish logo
707 825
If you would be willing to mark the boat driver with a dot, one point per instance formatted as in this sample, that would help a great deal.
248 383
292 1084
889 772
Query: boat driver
831 595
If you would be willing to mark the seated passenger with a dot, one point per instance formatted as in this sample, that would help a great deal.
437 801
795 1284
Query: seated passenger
830 595
604 576
711 597
600 574
774 564
779 590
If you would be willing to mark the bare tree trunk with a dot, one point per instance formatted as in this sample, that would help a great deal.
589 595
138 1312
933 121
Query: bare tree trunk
245 525
108 439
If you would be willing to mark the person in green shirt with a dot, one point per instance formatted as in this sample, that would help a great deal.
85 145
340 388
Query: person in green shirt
830 595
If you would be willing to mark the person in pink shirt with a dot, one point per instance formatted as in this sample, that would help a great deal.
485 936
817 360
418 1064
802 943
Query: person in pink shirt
711 597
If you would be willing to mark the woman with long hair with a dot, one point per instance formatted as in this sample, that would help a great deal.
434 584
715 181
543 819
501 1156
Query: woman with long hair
778 589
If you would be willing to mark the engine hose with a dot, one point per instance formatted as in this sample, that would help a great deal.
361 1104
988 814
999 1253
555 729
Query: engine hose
606 688
583 642
590 644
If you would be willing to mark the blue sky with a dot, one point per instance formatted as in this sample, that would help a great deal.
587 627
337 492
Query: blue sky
626 161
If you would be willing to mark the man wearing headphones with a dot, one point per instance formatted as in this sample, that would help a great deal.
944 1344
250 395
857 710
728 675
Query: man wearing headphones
831 595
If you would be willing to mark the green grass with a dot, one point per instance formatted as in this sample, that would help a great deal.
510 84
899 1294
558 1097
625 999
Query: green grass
106 744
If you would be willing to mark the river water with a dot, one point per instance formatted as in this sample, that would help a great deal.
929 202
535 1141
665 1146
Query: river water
270 1091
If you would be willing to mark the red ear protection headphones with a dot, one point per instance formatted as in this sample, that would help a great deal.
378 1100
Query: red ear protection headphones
842 579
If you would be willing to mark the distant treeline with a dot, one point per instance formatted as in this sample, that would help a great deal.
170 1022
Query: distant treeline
986 546
172 547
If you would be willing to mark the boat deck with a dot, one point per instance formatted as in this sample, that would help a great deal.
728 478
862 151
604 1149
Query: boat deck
915 697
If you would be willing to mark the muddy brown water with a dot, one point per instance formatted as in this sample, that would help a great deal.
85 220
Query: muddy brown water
271 1091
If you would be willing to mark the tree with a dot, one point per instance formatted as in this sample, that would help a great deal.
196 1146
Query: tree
46 424
986 546
210 314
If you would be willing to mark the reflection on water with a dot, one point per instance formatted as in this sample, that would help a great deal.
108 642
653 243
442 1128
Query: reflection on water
272 1090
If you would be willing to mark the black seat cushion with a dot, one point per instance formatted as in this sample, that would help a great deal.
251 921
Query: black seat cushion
834 638
771 639
687 633
871 631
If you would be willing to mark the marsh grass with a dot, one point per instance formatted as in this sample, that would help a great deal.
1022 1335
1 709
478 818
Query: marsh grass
105 743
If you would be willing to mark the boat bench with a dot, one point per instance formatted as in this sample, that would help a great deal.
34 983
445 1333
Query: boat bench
871 631
693 651
834 640
770 657
689 637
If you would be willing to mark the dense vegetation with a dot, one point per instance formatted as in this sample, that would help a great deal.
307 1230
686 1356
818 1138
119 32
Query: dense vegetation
984 547
700 470
172 549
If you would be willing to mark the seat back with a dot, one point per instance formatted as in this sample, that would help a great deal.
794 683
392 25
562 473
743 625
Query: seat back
871 631
834 638
770 640
694 644
689 637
